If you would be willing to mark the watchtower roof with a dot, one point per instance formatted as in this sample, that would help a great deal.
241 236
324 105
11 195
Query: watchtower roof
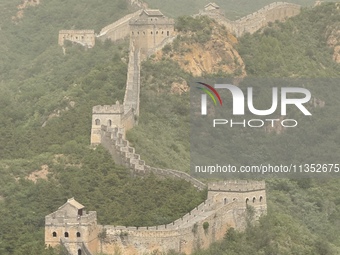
211 6
73 203
152 13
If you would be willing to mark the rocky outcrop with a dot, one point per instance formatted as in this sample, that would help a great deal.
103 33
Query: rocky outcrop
216 55
22 7
333 41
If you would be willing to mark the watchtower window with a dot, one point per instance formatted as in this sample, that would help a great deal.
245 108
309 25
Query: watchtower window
225 201
261 199
247 200
254 199
151 32
66 234
109 123
79 252
97 121
156 32
80 212
167 33
54 234
78 234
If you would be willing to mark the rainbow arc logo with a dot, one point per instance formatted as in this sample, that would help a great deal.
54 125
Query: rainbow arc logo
211 91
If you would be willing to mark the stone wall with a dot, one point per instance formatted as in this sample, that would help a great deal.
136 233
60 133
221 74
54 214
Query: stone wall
147 33
108 115
202 226
257 20
84 37
119 29
113 140
79 230
166 41
132 90
225 207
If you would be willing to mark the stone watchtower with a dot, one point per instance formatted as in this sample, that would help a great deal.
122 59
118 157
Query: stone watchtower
72 228
149 30
83 37
107 115
243 193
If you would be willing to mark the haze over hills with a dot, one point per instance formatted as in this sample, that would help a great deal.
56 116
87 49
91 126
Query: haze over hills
46 99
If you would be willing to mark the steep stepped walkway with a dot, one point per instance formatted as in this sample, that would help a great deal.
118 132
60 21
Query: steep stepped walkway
124 154
132 91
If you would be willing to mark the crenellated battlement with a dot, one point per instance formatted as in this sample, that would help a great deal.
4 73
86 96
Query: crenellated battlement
150 21
256 20
61 218
83 37
108 109
236 186
204 224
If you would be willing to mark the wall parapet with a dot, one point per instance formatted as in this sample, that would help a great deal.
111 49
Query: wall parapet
123 21
190 219
113 140
108 109
84 37
256 20
237 185
56 219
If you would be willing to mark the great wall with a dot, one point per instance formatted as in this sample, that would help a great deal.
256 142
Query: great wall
255 21
251 23
226 206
